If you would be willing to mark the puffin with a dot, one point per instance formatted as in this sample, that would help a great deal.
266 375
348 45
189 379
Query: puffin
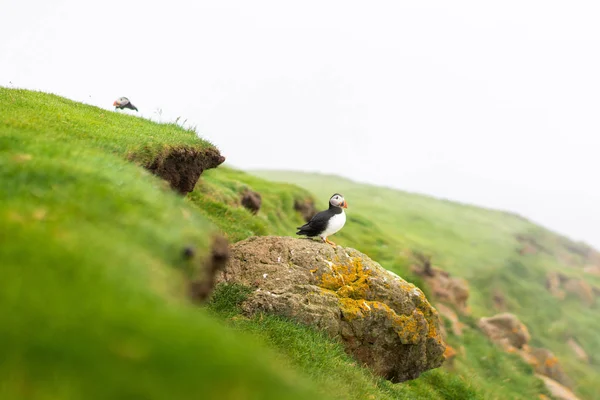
327 222
123 102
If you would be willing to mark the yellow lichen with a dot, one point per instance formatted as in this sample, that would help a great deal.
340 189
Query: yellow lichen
350 281
550 362
353 309
347 280
449 352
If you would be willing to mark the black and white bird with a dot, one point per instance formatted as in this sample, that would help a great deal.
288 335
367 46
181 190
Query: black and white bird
123 102
327 222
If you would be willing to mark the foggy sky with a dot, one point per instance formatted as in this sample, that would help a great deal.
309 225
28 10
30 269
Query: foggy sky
490 104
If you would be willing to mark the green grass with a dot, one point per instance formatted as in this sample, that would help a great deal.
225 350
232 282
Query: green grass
218 198
480 245
221 189
93 285
64 120
324 361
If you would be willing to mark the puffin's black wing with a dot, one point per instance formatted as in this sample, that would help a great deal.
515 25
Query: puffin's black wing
316 225
131 106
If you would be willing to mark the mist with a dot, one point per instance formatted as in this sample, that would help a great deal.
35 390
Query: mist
488 104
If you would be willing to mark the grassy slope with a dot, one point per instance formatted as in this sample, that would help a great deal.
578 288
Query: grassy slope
106 282
218 198
62 119
488 374
480 245
92 282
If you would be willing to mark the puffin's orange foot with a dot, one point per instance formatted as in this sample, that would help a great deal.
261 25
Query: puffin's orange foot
330 242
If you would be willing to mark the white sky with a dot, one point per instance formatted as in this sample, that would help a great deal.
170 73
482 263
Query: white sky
494 104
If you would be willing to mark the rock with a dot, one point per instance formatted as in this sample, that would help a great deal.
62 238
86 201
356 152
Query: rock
382 320
446 288
558 391
449 354
554 281
581 289
306 208
449 314
526 249
506 330
578 350
251 201
559 285
547 364
592 269
529 245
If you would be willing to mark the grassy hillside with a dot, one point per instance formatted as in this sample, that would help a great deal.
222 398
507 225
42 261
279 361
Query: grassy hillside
482 246
93 299
486 373
218 198
63 120
94 286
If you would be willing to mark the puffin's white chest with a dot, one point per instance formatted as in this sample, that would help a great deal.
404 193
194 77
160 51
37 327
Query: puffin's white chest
335 224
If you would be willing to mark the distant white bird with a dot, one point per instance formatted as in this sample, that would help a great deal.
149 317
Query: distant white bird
123 102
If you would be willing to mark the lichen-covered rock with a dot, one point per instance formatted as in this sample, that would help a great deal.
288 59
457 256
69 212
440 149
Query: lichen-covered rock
558 391
512 335
382 320
547 364
446 288
506 330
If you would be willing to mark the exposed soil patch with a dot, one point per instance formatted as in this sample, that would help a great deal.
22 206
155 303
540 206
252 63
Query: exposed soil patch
306 208
182 167
201 289
251 201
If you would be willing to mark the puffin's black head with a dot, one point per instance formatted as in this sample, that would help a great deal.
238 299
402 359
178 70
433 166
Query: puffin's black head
121 102
337 200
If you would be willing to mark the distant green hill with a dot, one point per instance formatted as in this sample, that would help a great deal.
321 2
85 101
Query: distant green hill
94 287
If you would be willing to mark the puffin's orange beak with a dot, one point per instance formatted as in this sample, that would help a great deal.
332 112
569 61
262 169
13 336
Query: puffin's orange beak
115 103
345 204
